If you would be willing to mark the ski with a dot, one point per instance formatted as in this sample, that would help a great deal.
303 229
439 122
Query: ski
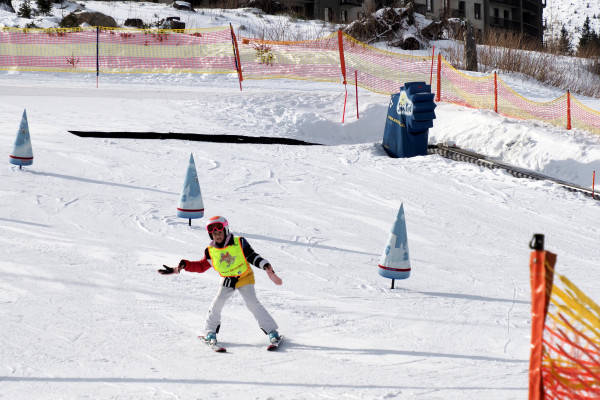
275 345
213 346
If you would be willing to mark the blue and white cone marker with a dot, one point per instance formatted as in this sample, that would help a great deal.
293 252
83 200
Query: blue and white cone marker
22 153
190 204
395 263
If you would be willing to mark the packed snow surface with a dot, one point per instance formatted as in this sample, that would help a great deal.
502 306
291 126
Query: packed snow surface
84 229
84 314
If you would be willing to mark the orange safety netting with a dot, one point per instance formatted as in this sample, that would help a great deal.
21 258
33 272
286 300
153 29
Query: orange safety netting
335 58
111 50
571 360
514 105
382 71
315 60
583 117
457 87
321 60
494 94
565 340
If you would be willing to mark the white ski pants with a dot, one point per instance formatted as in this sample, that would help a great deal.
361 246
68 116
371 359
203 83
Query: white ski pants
213 317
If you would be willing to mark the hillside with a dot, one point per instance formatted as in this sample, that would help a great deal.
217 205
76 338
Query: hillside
571 14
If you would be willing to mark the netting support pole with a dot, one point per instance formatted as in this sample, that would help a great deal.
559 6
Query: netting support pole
343 67
342 60
356 86
438 95
495 91
568 110
541 265
593 184
432 59
345 98
236 56
97 55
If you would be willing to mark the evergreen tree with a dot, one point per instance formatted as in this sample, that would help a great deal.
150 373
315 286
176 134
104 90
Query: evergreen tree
44 6
564 43
594 46
587 36
25 10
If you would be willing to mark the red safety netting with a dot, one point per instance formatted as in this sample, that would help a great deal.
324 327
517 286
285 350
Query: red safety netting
336 58
382 71
571 358
315 60
565 336
492 93
117 50
321 60
583 117
457 87
514 105
48 50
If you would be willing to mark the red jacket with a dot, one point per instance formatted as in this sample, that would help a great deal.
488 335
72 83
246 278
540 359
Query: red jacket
198 266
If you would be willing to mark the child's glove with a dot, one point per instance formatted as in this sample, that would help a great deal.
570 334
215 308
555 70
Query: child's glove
276 280
168 270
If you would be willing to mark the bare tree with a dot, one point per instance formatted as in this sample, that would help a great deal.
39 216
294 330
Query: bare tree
470 49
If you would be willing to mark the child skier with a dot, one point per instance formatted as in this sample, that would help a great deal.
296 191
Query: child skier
231 256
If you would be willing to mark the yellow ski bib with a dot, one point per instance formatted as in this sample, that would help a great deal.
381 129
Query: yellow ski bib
230 260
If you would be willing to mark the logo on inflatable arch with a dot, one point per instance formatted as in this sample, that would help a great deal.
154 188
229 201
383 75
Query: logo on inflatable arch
405 105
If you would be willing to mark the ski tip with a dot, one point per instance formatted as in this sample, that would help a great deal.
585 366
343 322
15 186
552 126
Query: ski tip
214 347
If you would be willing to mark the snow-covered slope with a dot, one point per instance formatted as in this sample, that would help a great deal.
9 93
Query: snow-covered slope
83 313
248 22
571 14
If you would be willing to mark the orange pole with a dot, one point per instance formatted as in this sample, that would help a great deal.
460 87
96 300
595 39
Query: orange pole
432 59
438 95
495 91
568 110
343 66
356 85
538 289
344 113
541 264
236 54
341 46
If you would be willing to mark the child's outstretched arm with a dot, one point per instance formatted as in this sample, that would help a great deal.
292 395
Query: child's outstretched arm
272 275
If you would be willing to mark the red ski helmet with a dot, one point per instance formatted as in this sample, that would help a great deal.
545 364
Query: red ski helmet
217 223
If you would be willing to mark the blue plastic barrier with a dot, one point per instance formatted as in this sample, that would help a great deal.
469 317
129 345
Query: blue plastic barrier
410 115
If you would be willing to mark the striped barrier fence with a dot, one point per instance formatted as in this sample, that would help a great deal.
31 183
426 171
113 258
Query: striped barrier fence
335 58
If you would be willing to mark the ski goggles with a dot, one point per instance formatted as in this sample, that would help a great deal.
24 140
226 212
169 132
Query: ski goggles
217 226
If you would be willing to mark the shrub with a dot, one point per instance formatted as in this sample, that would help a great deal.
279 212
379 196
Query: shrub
595 67
69 21
381 26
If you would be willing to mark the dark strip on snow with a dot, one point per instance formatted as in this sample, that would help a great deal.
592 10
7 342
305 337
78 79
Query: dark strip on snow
194 136
458 154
